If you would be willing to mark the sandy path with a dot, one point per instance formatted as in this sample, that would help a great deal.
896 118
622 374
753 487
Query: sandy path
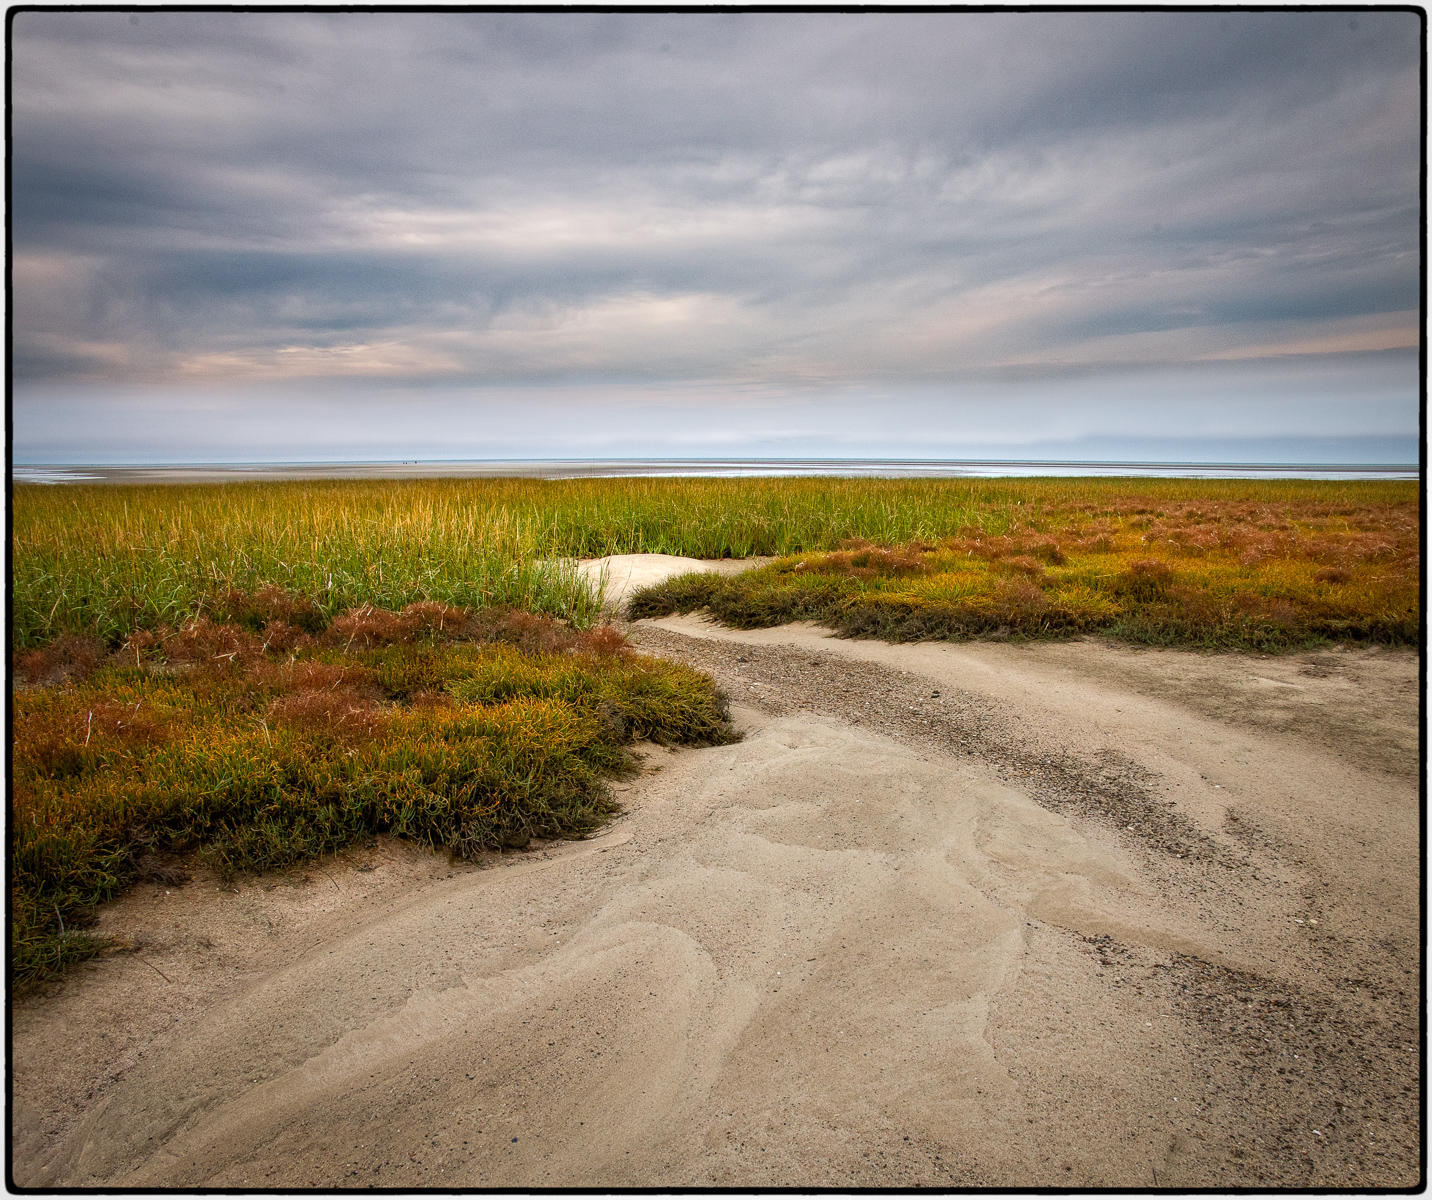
1066 915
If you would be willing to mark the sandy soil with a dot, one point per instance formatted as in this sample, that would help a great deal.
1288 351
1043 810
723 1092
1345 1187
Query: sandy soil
622 574
1060 915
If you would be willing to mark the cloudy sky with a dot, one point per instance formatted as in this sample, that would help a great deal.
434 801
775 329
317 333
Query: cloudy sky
305 236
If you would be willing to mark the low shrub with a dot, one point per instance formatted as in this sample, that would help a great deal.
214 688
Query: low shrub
1260 590
433 724
1145 579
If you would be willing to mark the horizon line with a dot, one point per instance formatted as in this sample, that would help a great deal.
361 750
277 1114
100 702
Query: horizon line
719 459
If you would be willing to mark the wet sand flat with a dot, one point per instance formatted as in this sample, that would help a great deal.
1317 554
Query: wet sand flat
1062 915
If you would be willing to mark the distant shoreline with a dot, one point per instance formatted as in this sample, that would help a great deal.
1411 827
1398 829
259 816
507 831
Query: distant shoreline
716 468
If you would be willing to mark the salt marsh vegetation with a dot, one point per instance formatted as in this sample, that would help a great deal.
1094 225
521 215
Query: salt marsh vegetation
258 673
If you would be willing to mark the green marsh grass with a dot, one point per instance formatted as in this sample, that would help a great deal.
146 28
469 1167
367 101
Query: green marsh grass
107 561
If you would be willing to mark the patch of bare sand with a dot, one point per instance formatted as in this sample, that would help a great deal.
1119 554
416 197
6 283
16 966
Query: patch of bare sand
620 575
949 916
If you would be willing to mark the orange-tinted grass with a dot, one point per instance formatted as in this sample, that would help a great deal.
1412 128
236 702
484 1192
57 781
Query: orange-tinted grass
1237 574
210 738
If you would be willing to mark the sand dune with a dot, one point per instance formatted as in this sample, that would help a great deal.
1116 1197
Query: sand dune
1063 915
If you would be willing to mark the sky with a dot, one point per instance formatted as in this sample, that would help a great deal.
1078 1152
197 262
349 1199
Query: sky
331 236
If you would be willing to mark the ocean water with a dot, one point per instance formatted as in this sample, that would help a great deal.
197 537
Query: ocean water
616 468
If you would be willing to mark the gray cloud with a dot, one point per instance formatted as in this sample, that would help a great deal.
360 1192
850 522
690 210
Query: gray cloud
723 200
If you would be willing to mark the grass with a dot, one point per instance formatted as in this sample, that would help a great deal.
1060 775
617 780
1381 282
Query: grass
262 672
257 748
1203 572
109 560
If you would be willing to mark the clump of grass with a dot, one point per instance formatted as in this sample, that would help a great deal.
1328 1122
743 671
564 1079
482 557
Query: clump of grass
1144 579
748 602
71 656
268 605
1206 574
461 730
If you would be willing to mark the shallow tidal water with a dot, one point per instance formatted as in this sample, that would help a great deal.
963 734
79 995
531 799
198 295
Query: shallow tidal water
615 468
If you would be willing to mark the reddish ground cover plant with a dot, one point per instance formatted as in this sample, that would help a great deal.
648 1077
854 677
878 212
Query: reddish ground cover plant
1209 573
462 730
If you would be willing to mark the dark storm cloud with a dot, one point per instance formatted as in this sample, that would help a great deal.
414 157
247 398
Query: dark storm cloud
788 198
1162 68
